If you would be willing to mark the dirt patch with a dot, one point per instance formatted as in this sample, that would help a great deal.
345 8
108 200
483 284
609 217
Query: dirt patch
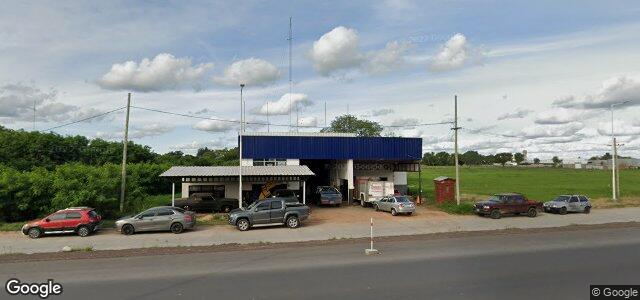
14 258
623 202
358 214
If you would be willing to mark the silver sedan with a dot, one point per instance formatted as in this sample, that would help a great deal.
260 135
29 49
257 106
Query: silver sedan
568 203
161 218
396 205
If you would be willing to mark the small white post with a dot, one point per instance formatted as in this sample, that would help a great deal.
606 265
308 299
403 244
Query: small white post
371 251
173 194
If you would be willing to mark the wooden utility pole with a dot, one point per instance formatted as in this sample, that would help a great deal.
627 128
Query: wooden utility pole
124 154
240 147
455 130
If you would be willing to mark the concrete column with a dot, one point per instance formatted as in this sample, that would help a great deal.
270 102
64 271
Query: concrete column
173 193
304 192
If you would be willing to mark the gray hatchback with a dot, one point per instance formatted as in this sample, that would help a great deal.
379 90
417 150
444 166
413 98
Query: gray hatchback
161 218
568 203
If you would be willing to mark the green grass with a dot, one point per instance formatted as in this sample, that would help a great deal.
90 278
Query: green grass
540 184
11 226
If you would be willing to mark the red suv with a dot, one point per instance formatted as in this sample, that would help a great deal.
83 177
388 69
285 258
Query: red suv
81 220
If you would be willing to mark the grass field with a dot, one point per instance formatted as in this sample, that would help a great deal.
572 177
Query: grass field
540 184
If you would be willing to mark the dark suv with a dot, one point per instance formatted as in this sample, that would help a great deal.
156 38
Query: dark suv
509 203
81 220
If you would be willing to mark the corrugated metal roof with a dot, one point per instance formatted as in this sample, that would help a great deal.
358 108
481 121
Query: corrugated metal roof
331 147
230 171
317 134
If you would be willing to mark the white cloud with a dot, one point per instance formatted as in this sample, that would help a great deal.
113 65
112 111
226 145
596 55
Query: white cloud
18 99
381 112
518 114
613 90
388 59
454 54
163 72
251 71
215 125
407 123
561 116
546 131
308 121
620 129
137 132
281 107
336 50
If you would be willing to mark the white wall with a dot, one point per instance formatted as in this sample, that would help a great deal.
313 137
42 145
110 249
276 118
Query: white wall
247 162
400 178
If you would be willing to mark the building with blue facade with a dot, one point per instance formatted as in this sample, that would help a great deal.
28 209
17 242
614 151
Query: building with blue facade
335 159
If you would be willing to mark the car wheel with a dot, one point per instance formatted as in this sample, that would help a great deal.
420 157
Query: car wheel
128 229
34 233
375 206
394 212
176 228
293 222
409 213
532 212
563 211
83 231
587 209
242 224
495 214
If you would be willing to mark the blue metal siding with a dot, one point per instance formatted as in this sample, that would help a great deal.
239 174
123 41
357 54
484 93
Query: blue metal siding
317 147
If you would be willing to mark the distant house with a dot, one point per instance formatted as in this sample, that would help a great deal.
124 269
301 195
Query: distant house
605 164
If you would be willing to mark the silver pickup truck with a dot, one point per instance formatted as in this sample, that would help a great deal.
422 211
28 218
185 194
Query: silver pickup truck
270 211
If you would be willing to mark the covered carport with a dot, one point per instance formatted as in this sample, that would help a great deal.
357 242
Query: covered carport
223 181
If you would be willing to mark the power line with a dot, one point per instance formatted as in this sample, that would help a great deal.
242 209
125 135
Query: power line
273 124
85 119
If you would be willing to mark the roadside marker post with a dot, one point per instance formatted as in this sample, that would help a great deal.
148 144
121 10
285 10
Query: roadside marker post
371 251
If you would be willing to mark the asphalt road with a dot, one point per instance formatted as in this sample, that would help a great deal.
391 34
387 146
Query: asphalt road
553 265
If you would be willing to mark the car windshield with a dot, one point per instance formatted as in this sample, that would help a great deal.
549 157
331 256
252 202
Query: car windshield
494 199
403 199
178 209
254 204
328 190
562 199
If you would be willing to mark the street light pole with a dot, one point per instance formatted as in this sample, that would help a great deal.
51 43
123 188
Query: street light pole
240 147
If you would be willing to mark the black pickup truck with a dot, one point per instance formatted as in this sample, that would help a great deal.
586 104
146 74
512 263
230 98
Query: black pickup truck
270 211
206 202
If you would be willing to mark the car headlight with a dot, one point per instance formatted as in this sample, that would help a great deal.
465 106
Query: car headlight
485 207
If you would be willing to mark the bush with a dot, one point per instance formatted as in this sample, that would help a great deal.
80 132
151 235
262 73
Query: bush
30 194
465 208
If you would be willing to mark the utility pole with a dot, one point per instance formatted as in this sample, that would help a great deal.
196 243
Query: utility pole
455 129
614 165
290 39
617 170
325 114
240 148
124 154
34 115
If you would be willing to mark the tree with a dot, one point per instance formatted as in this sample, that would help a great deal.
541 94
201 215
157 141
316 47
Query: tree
556 161
503 158
351 124
518 157
536 160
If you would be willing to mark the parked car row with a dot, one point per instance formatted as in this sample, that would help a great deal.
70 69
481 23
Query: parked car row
515 204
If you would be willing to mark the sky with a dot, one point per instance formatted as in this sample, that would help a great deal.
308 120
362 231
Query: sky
539 76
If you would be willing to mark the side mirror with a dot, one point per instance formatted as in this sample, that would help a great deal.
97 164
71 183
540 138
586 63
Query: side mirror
47 220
